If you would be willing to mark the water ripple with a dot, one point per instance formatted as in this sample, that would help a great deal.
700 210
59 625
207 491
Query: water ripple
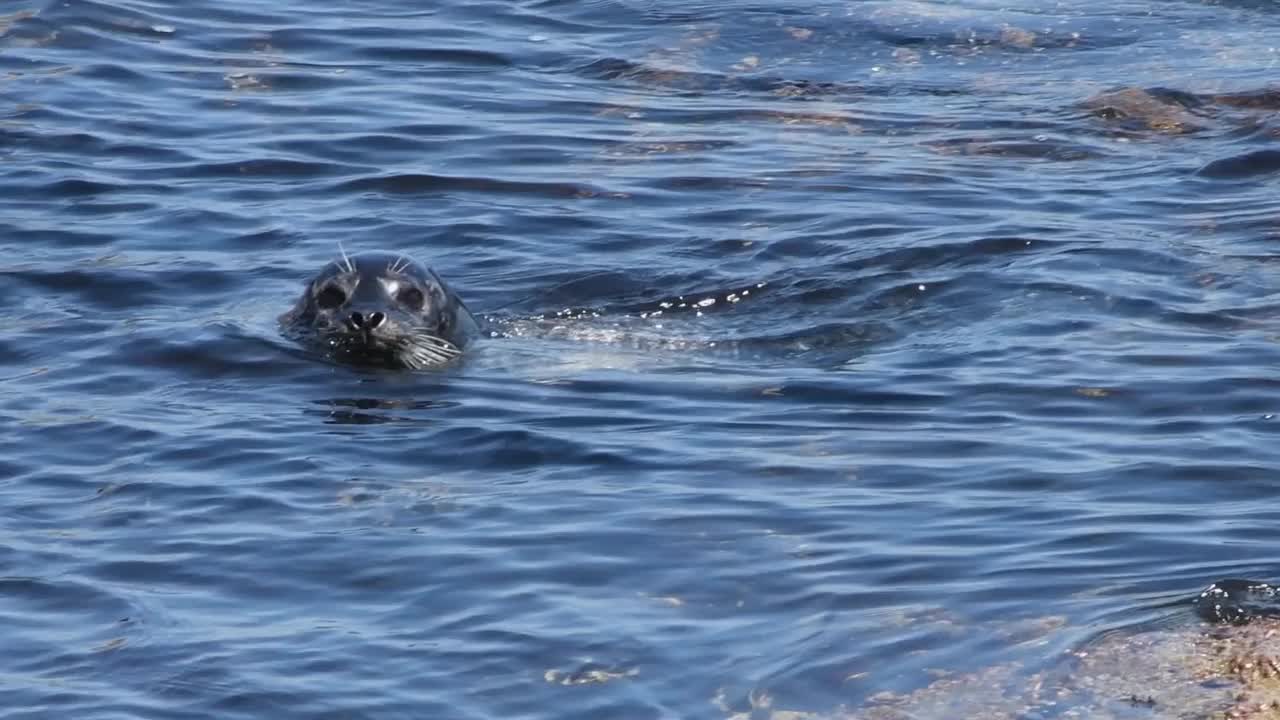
828 349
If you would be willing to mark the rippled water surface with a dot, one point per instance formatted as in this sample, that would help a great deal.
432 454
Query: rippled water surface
833 348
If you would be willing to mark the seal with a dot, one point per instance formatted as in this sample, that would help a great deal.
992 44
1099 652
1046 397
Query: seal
381 309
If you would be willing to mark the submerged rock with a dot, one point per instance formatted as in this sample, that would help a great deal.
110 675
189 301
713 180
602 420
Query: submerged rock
1226 671
1165 111
1158 109
1223 665
1226 665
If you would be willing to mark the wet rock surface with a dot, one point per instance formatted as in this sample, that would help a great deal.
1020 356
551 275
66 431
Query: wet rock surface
1219 662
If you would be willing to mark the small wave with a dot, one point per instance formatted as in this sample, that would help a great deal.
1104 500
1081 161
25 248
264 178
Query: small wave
1251 164
1059 150
424 183
434 56
268 168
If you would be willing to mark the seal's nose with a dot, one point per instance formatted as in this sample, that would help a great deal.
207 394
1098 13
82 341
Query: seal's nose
360 321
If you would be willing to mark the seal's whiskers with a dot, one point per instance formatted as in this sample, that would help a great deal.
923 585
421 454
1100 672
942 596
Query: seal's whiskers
418 351
346 259
399 264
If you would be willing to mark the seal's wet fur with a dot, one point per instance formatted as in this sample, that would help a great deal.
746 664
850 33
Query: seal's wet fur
381 309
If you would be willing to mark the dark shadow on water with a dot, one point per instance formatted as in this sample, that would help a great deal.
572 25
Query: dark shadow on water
374 411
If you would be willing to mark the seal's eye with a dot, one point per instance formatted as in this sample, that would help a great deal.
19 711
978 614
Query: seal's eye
411 297
331 297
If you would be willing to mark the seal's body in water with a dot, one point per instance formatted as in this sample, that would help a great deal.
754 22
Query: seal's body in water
381 309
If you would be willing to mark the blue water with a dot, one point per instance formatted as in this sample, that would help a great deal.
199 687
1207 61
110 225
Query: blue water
992 351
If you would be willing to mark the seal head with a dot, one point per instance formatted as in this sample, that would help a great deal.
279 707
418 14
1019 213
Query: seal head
381 309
